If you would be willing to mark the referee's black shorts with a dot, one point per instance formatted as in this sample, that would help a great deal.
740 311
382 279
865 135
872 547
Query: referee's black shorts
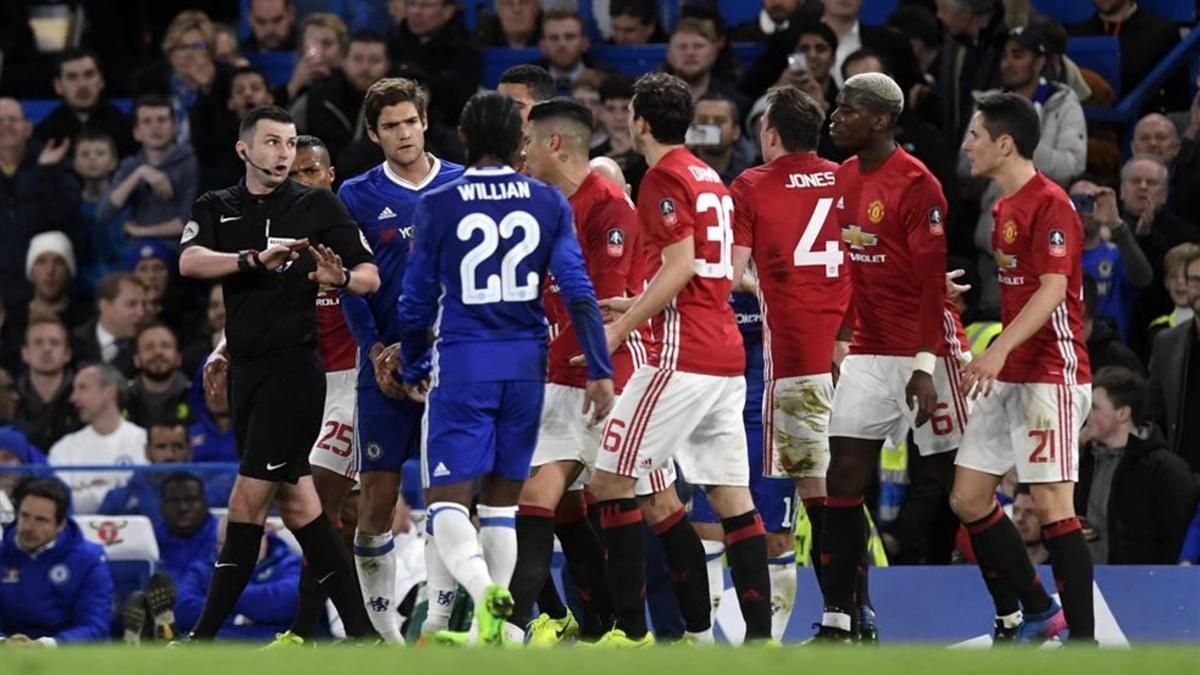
276 402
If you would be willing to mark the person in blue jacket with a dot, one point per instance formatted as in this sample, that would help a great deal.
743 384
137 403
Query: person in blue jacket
186 531
55 587
264 609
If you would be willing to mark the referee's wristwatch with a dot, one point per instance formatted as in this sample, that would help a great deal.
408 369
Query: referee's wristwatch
345 279
248 261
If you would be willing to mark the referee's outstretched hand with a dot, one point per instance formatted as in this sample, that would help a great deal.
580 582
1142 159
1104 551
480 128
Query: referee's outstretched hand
329 267
277 255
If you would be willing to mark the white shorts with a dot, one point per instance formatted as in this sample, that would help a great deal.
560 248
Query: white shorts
564 435
869 402
334 449
796 414
1030 425
692 418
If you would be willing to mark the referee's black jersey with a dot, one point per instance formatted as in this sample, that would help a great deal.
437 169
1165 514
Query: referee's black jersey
273 312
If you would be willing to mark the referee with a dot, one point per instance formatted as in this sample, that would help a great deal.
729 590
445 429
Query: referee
271 241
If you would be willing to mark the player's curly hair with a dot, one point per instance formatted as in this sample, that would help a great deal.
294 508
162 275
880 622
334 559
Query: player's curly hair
491 126
665 102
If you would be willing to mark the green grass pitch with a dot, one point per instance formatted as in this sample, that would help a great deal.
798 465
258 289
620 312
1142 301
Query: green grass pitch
331 660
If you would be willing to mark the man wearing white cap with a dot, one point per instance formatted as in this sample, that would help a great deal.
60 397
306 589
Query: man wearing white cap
50 267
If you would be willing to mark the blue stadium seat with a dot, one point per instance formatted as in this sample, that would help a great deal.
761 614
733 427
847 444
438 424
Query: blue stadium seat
633 60
876 12
37 109
748 52
1179 11
1101 54
278 66
737 12
496 60
1077 11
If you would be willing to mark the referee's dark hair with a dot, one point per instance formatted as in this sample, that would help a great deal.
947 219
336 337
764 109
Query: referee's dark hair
570 111
47 487
1011 115
491 126
665 102
536 79
267 112
795 117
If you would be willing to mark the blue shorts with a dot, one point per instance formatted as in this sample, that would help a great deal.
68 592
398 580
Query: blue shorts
480 428
775 498
387 431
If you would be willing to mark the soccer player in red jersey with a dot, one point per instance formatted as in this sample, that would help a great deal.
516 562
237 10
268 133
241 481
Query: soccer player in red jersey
1034 379
687 405
906 342
610 237
784 222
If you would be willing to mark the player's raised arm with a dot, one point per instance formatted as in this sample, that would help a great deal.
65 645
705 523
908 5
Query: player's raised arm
417 305
566 263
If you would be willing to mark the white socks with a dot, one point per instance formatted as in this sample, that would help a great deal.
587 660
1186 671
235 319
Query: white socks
459 548
374 557
713 552
783 591
498 538
440 588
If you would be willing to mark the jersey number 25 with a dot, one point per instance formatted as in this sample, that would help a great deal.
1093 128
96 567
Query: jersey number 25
503 287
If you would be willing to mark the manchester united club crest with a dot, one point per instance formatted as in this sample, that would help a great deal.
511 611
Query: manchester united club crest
667 208
1009 232
1058 243
875 211
935 221
109 531
616 242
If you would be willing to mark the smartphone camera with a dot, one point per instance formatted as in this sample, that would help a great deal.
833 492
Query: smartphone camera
1084 203
797 61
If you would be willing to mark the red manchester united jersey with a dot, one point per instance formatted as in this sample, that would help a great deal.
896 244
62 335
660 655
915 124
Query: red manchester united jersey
892 221
683 197
334 340
610 236
1036 232
784 214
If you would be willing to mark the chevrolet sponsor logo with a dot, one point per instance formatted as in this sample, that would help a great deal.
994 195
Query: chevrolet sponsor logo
857 239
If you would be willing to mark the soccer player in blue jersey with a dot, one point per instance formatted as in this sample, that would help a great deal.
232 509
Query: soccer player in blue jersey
483 245
387 432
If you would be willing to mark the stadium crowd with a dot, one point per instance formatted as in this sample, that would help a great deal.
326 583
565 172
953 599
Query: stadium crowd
103 343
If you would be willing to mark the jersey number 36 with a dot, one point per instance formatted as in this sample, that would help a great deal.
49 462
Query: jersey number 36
503 287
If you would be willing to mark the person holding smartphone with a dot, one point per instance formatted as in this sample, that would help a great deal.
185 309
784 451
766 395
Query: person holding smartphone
810 67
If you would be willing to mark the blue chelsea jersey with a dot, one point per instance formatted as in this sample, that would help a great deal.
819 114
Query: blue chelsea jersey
483 247
382 203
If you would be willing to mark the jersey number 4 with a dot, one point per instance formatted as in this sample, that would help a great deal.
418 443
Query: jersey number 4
503 287
832 257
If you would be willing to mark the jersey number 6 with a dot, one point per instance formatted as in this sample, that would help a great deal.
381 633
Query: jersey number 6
504 286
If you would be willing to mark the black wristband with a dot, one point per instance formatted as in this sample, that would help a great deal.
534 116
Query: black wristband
345 280
248 261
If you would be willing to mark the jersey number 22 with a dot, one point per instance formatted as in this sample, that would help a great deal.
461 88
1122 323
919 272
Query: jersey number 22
503 287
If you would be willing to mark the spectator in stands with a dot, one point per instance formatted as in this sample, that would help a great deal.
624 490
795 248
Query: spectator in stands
168 298
526 84
635 22
108 438
1061 153
728 66
719 141
210 333
1185 179
160 182
104 240
8 397
615 94
432 46
160 391
1103 344
813 74
225 46
586 90
691 54
564 46
38 193
1145 39
852 35
1174 397
970 60
324 40
186 531
516 24
1175 281
1116 262
777 16
272 27
1025 516
80 83
50 267
1138 496
924 36
267 605
1156 135
166 443
211 435
16 450
249 90
330 108
1157 229
120 299
44 411
63 591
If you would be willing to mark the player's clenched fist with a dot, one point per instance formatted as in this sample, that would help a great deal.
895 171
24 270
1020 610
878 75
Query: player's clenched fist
386 361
